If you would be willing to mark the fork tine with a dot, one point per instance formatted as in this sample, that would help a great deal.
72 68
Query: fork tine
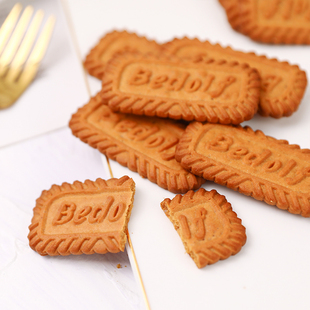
17 35
32 64
43 41
24 50
8 25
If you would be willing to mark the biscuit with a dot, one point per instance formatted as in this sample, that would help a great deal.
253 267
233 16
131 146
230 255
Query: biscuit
282 85
170 87
82 218
143 144
209 228
115 42
249 162
273 21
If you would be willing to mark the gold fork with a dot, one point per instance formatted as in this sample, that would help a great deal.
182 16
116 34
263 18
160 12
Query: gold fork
20 55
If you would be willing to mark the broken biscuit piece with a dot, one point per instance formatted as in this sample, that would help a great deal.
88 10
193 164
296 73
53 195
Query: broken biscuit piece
209 228
82 218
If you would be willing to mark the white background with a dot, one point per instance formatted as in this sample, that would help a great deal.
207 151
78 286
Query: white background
271 271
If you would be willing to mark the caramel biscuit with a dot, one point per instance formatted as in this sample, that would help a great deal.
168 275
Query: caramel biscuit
249 162
209 228
213 91
282 85
82 218
272 21
115 42
143 144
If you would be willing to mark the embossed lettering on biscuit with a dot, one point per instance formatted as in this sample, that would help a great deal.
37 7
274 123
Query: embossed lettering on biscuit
249 162
82 218
115 42
213 91
282 85
143 144
274 21
209 228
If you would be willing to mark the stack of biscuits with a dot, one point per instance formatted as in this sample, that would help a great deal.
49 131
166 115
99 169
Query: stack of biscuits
172 113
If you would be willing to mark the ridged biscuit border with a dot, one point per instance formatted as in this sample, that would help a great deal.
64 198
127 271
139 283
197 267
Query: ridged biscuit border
214 112
220 248
74 243
92 62
174 181
225 175
285 105
241 17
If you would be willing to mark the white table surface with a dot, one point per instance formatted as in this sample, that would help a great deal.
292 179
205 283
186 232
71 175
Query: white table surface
37 150
271 271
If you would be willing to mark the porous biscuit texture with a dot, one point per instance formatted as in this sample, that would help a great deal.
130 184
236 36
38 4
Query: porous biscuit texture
210 230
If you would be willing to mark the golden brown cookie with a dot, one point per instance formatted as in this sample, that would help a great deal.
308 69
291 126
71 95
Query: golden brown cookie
114 42
209 228
143 144
282 85
249 162
270 21
213 91
82 218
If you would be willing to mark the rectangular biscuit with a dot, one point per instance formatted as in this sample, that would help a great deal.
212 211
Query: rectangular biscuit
272 21
249 162
170 87
115 42
143 144
282 85
82 218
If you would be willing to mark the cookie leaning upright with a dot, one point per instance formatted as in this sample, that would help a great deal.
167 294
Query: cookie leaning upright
250 162
82 218
272 21
209 228
216 91
114 42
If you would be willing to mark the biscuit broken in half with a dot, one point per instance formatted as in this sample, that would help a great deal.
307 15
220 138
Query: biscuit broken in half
82 218
210 230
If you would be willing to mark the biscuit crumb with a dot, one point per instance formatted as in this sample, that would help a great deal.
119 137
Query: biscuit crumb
119 266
